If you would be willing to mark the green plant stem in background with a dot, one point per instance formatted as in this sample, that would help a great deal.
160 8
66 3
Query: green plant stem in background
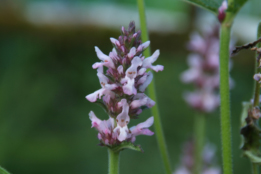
255 168
225 94
3 171
152 93
199 128
113 161
257 70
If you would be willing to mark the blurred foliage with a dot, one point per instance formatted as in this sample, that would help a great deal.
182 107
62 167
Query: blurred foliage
45 74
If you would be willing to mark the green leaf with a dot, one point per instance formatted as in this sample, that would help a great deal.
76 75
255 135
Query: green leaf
236 6
246 106
102 105
126 145
211 5
252 157
3 171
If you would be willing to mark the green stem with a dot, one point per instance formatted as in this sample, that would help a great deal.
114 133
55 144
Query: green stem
113 162
257 70
225 95
3 171
199 142
152 93
255 168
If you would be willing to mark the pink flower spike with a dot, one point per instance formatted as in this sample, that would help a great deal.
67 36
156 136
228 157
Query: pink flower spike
95 121
125 75
143 86
107 61
147 63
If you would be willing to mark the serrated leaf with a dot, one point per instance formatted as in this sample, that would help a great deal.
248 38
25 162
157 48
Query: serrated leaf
126 145
3 171
211 5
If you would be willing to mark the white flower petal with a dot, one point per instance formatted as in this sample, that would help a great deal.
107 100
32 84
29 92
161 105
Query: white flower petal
143 86
115 41
97 94
143 46
123 118
129 87
132 70
132 52
120 69
95 121
139 103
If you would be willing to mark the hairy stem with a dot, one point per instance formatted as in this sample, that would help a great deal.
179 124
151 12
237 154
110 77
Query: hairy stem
199 129
113 161
257 70
152 94
225 95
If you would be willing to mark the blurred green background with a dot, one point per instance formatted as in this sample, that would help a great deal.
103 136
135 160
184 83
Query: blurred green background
46 53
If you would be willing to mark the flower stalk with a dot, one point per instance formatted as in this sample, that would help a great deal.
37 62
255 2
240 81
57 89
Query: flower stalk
113 161
255 167
152 93
225 98
257 70
224 91
122 93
